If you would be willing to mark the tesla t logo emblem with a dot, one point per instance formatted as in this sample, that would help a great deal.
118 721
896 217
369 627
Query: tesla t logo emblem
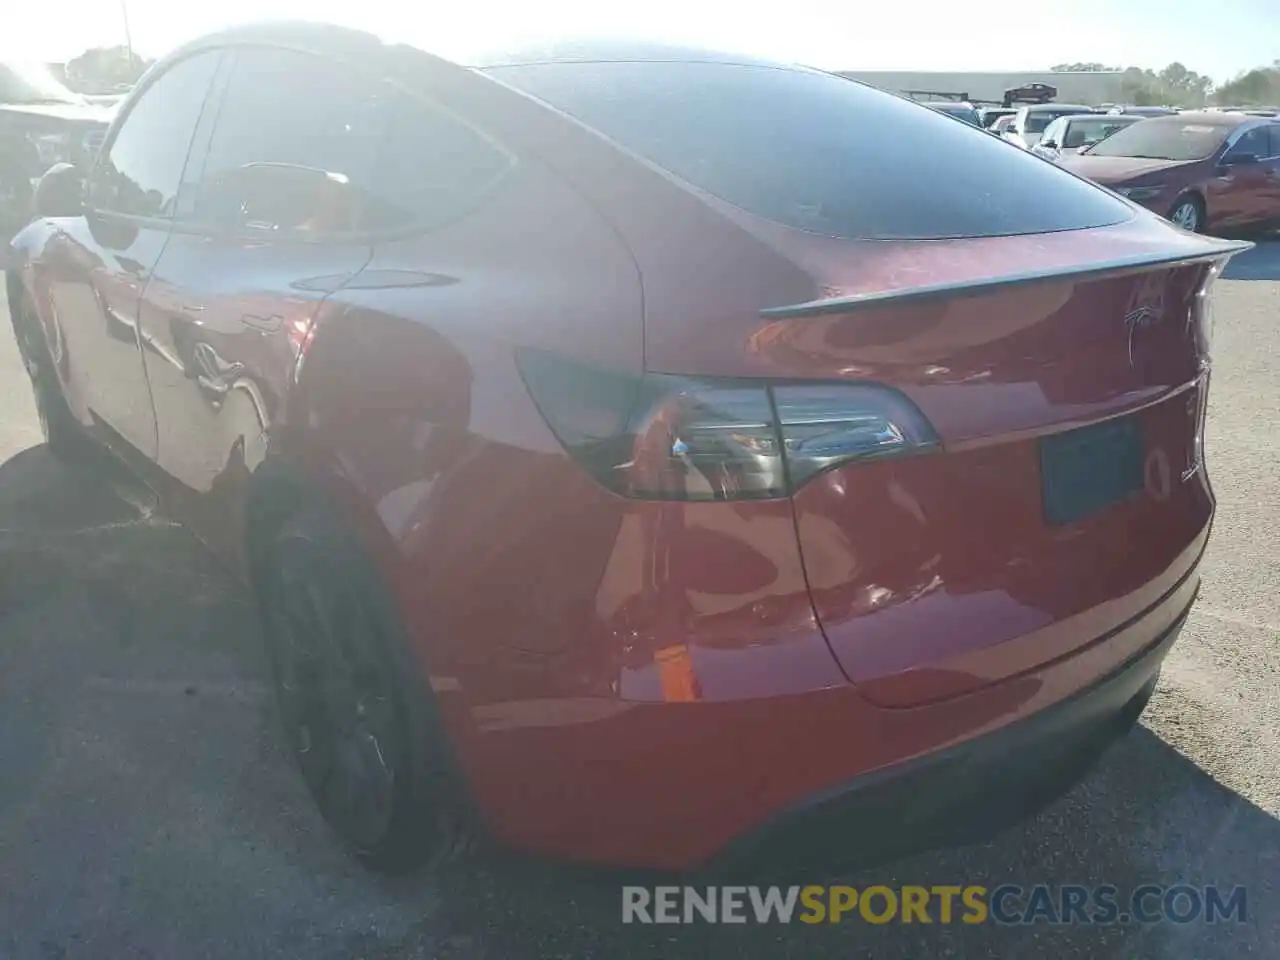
1136 320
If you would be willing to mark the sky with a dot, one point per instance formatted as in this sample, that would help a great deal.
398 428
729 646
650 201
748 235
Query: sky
1221 38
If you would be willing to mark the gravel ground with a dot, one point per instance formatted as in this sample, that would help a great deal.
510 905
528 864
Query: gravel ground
147 808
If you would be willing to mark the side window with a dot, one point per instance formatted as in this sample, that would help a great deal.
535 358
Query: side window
1273 135
293 148
1253 141
432 167
1074 134
140 173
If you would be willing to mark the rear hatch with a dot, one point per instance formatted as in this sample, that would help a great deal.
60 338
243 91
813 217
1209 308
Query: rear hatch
1051 335
1067 495
1065 379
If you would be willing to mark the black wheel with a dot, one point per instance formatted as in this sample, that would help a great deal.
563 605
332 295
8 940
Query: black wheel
61 431
1188 213
362 727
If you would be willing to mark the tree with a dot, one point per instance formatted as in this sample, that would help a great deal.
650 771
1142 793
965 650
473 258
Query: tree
1260 87
103 69
1141 87
1083 68
1175 84
1182 86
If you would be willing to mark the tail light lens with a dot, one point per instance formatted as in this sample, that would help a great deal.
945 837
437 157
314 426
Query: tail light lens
1202 311
823 425
662 437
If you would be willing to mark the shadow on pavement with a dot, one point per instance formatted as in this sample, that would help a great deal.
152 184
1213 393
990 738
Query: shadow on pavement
147 809
1146 815
1260 263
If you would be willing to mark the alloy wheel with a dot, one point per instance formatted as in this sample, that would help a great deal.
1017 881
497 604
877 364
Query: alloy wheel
1186 215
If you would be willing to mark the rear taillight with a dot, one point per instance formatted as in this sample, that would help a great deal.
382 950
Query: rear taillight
663 437
1202 311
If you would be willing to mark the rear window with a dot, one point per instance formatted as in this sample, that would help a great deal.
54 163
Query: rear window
817 152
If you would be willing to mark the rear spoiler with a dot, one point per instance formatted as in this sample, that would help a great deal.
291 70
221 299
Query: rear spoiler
1222 250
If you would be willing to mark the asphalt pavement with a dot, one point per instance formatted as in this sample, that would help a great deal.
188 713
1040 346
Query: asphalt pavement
148 809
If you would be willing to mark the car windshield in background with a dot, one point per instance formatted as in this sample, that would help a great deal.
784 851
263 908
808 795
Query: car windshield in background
817 152
1164 138
1081 132
1036 122
32 83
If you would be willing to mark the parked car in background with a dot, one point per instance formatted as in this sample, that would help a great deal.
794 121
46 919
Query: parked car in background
1000 125
988 116
1029 122
1246 111
1204 171
958 110
646 502
1067 136
41 123
1133 111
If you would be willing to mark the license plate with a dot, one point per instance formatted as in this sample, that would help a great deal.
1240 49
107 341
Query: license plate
1086 470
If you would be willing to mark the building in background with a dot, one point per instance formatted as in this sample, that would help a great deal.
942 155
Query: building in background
1092 88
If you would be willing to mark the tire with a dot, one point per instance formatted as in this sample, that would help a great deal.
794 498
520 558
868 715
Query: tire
61 431
361 724
1188 213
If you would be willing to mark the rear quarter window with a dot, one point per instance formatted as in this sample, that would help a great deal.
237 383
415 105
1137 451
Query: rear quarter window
432 167
817 152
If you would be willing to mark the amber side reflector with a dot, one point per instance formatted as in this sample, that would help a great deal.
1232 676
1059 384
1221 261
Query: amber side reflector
675 668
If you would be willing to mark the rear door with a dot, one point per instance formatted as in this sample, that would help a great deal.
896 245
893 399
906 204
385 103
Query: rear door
271 222
102 261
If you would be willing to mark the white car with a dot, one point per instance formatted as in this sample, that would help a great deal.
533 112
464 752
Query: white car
1067 136
1030 121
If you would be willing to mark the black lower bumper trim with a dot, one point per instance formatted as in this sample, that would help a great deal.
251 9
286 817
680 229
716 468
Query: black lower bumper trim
960 795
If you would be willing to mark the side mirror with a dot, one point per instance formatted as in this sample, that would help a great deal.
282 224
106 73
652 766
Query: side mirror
60 192
1049 144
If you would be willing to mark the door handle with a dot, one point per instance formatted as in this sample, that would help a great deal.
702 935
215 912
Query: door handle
214 376
216 388
213 389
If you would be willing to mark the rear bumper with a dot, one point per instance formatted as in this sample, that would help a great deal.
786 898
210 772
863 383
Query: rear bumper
683 784
965 793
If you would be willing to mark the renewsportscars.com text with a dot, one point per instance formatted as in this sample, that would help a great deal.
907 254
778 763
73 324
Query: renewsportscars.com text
1006 904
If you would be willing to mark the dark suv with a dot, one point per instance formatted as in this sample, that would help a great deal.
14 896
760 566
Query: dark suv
41 123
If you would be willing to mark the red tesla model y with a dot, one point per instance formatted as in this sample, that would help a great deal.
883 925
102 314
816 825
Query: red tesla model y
649 450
